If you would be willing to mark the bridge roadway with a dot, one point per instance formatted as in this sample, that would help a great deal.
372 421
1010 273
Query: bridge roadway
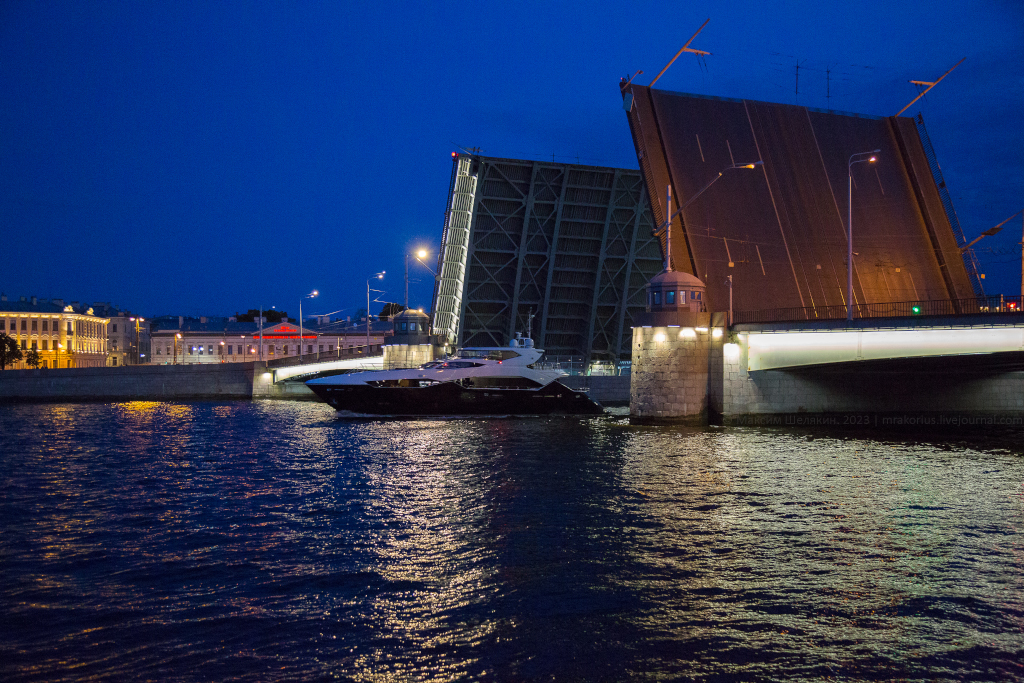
286 377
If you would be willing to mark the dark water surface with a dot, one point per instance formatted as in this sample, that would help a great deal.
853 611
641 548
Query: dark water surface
273 541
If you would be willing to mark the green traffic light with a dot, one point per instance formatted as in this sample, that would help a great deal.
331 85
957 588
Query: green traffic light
916 310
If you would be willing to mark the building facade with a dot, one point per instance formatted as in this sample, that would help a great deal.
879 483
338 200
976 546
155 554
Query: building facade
127 336
64 335
223 340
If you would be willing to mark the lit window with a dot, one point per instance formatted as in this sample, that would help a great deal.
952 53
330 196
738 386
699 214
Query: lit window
46 345
657 298
670 297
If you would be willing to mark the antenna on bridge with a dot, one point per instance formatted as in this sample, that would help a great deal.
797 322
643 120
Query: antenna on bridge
930 84
685 48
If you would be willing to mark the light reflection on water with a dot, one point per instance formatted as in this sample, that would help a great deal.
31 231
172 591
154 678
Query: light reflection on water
272 540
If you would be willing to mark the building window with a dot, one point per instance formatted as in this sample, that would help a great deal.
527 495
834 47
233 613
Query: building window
24 346
46 345
330 348
271 349
113 327
284 350
230 349
46 324
34 347
694 296
657 298
3 324
310 349
158 350
191 350
220 349
670 297
24 325
320 349
69 328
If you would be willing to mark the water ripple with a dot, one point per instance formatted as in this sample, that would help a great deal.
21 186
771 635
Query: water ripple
272 541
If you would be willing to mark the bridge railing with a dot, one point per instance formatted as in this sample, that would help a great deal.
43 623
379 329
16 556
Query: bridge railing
991 304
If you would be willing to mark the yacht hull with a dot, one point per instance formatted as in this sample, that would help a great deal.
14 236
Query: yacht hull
450 398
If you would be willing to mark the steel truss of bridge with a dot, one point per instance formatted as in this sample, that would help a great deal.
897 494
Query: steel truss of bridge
571 244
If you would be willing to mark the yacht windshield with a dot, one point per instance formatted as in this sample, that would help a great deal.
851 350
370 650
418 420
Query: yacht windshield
489 354
449 365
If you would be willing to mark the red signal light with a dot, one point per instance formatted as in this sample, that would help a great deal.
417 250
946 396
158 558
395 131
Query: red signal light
454 154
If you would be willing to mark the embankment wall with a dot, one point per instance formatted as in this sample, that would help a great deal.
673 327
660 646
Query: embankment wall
129 383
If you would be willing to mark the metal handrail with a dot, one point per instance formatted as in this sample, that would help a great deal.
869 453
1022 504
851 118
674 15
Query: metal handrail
980 305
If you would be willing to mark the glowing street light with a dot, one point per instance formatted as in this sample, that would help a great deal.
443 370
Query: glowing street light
665 227
420 255
378 276
311 295
849 224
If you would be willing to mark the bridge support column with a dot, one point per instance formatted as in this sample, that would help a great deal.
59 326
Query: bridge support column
675 375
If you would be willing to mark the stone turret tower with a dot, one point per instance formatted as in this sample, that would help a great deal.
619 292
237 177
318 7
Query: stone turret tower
672 345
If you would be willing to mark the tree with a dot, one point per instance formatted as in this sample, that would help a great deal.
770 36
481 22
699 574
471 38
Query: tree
9 351
272 315
390 310
32 359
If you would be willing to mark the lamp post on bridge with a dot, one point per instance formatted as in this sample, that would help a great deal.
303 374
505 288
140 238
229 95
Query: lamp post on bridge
378 276
311 295
849 224
666 227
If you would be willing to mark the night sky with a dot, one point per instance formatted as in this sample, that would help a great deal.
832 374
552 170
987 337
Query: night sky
202 158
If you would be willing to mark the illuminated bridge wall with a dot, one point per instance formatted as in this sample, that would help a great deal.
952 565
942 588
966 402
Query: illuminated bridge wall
572 244
783 224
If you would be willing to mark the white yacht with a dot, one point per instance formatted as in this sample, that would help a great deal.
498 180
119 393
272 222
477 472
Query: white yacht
476 381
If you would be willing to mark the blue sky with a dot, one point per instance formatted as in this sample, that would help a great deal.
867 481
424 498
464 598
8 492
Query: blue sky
202 158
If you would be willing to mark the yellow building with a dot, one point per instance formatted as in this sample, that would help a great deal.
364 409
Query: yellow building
66 336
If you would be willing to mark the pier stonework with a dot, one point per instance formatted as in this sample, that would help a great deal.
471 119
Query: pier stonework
670 369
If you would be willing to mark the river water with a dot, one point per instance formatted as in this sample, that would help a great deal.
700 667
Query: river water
263 541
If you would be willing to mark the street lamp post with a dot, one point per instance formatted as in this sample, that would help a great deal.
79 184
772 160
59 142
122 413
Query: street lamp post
665 227
420 254
379 276
137 350
311 295
849 226
177 338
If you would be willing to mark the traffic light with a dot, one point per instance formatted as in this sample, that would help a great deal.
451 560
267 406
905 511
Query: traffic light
916 310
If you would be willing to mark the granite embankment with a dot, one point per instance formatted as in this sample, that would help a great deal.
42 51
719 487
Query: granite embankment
129 383
201 382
